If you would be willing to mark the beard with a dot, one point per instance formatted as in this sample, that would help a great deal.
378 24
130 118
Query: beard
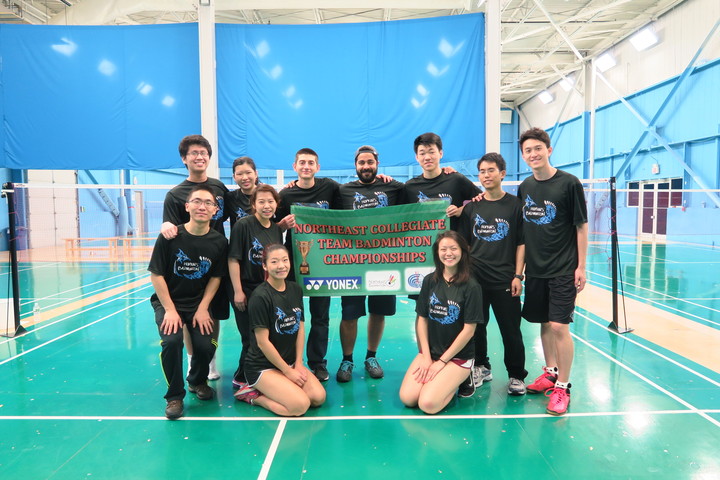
367 175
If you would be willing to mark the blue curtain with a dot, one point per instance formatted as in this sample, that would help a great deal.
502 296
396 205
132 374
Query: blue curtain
334 88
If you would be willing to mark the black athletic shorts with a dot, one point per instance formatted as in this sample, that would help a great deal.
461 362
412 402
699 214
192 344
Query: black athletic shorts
354 307
550 299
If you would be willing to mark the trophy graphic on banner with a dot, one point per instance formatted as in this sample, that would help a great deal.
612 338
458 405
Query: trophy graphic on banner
304 248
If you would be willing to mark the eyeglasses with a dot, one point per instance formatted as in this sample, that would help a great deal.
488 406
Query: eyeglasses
198 154
208 203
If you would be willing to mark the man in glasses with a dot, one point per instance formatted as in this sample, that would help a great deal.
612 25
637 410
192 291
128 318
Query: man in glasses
185 272
195 152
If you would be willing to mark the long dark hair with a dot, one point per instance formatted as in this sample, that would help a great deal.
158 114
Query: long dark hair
463 273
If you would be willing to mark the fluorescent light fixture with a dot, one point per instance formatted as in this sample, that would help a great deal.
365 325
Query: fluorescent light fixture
567 83
66 3
605 62
546 97
644 39
205 3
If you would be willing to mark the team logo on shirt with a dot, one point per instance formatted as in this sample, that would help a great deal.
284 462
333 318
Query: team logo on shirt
443 314
287 324
537 214
256 252
319 204
187 268
240 213
421 197
221 207
361 201
490 233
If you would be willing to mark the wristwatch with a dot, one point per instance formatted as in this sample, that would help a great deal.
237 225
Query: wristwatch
519 277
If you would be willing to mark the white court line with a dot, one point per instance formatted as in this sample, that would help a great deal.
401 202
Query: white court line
654 352
649 382
68 333
670 297
267 463
429 418
65 299
110 300
33 267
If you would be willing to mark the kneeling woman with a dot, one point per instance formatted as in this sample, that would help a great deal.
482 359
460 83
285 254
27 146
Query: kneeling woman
276 377
448 307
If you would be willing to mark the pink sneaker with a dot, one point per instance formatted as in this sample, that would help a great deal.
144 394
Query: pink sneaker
559 401
542 384
246 394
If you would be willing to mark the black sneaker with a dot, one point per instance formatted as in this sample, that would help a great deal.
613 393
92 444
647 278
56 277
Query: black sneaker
344 373
321 372
174 409
467 388
373 368
202 391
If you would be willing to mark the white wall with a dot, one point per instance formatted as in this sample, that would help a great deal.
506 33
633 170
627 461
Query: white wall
681 33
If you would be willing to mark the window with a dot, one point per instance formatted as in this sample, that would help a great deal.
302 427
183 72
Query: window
633 198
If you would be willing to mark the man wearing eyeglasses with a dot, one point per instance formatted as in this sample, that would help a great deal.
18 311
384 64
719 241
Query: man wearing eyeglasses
195 152
185 272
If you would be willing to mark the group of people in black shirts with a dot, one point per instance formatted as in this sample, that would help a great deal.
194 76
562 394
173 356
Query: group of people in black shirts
495 242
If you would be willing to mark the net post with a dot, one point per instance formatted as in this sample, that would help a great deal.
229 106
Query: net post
9 193
614 325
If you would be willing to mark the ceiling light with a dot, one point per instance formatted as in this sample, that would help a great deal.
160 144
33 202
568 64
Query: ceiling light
567 83
644 39
546 97
605 62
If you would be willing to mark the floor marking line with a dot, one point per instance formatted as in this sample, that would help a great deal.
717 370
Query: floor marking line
79 313
654 352
267 463
648 381
159 418
69 333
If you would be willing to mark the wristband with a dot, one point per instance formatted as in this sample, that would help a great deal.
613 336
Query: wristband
442 361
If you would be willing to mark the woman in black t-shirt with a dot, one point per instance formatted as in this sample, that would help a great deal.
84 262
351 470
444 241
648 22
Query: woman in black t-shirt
277 380
448 307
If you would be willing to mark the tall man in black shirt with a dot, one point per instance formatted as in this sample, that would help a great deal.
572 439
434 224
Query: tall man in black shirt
366 192
556 239
309 190
493 228
195 152
185 273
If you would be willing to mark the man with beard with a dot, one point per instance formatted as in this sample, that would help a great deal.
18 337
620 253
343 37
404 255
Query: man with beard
366 192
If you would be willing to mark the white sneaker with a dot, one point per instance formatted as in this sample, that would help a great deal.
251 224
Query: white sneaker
213 374
189 357
516 387
481 374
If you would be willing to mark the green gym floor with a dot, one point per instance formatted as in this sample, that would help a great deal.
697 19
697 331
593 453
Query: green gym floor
82 392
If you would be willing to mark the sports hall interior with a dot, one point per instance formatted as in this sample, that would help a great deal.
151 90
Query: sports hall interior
96 95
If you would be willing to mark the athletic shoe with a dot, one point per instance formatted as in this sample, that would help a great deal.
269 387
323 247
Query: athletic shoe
559 400
213 374
247 394
542 384
373 368
516 387
321 372
202 391
174 409
237 385
344 373
481 374
467 388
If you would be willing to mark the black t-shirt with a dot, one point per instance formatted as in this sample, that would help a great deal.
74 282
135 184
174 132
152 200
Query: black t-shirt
248 239
279 312
453 187
237 205
493 229
552 211
174 205
357 195
448 309
323 194
187 262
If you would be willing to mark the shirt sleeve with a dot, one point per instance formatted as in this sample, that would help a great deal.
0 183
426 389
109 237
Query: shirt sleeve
170 210
473 304
421 305
158 259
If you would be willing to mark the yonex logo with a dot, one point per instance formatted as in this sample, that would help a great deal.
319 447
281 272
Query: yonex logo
333 283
